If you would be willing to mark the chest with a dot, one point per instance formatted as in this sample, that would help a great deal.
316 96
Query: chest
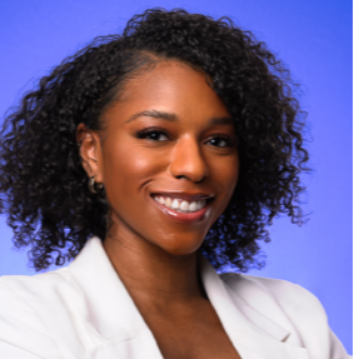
199 335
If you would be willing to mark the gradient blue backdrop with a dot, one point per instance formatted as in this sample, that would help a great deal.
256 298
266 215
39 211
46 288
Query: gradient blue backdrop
312 37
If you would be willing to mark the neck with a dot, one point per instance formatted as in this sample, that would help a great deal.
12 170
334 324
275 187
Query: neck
152 276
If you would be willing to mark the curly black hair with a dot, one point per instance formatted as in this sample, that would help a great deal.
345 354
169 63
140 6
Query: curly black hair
43 185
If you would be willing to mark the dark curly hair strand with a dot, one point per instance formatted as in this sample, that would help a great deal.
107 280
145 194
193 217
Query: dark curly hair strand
43 185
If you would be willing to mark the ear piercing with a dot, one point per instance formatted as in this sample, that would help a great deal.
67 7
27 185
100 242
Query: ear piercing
93 186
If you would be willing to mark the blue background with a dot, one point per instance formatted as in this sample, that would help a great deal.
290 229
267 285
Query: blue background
312 37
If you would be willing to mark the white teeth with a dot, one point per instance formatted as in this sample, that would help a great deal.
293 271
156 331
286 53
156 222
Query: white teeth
184 206
201 204
181 205
175 204
193 207
168 202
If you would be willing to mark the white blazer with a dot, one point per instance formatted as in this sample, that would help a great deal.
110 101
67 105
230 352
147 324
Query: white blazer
83 311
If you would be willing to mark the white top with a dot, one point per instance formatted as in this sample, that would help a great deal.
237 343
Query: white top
83 311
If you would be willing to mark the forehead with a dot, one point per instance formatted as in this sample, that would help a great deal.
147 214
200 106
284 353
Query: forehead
172 87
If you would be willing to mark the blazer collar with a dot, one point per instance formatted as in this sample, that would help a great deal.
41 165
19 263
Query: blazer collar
253 334
109 303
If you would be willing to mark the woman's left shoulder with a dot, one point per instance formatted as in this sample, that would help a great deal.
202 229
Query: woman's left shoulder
286 294
292 307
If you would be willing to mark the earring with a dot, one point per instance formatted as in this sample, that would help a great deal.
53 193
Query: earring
93 186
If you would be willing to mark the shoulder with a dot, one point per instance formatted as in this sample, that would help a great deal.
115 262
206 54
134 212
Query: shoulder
36 310
287 295
275 295
290 306
39 291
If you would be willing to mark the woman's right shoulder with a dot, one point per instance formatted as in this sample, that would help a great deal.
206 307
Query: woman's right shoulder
39 292
32 311
46 294
37 287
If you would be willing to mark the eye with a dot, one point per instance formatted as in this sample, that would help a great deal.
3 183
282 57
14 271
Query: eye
154 135
221 141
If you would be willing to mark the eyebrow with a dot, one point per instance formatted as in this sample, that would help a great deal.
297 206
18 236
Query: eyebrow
224 120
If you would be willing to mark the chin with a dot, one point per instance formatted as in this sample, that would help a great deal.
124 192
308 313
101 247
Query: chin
180 250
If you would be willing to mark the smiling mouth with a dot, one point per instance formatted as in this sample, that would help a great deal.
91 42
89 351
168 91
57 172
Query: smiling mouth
182 207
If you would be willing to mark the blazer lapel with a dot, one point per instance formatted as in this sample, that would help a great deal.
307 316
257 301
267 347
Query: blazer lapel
117 323
253 335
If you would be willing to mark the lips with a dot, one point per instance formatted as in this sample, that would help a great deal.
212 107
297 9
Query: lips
183 207
180 205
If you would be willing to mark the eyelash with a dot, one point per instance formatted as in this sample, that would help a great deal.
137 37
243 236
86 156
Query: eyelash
144 134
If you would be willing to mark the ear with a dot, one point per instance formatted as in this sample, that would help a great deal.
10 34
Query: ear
90 151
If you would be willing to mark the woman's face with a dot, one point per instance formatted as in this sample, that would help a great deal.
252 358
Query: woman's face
167 158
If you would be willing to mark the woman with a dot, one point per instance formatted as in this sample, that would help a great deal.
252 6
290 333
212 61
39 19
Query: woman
146 157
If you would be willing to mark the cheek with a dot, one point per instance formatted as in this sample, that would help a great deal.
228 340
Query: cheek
127 168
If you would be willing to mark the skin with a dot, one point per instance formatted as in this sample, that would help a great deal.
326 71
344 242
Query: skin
169 133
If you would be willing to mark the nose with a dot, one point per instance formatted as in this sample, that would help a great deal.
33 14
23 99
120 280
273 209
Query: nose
187 161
